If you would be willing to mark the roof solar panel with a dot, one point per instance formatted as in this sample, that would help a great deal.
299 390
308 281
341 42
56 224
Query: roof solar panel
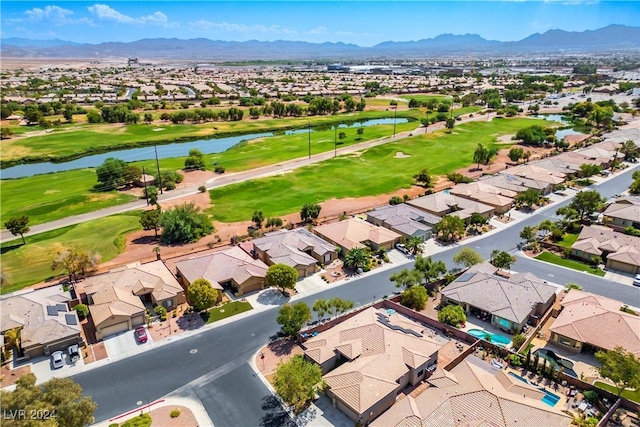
71 319
465 277
62 307
52 310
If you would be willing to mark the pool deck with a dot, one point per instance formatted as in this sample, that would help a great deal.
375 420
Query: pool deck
546 384
475 323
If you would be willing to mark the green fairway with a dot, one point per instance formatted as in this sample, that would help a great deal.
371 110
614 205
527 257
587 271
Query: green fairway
79 139
31 263
49 197
374 171
569 263
633 395
422 97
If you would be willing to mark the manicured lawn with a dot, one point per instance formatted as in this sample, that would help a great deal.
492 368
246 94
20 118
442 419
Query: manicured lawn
31 263
422 97
374 171
49 197
142 420
569 263
628 394
224 311
568 240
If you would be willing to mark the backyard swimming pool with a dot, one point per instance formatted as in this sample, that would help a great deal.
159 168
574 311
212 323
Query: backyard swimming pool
549 398
557 362
498 339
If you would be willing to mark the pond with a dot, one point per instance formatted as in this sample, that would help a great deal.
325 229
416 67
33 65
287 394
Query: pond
176 149
560 134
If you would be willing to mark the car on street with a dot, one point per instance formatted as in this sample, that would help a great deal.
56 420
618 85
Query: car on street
636 280
57 359
141 335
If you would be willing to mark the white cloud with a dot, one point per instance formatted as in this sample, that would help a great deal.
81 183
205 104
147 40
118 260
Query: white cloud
319 30
107 13
203 25
48 13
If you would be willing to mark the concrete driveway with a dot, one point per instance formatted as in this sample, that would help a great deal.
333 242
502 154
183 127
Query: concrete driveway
43 369
124 344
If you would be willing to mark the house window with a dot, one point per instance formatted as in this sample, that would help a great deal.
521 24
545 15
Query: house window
327 258
420 373
168 303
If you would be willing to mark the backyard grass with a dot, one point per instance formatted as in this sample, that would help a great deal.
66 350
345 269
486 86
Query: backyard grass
568 240
45 198
569 263
226 310
31 263
371 172
633 395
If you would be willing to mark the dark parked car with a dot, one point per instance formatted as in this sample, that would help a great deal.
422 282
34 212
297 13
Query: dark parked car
74 353
141 334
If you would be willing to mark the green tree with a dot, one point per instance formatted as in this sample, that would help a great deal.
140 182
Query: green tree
406 278
201 295
517 340
630 150
5 132
148 118
293 317
342 136
414 245
60 396
588 170
82 310
297 381
75 262
452 315
527 198
450 228
273 222
450 123
481 155
150 219
621 367
467 257
110 174
429 269
257 218
338 306
586 202
195 160
320 307
570 286
281 276
515 154
395 200
423 178
151 193
18 225
360 131
310 211
529 234
356 258
415 298
501 259
184 223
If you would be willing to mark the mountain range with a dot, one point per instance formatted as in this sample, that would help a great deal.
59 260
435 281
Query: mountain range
607 39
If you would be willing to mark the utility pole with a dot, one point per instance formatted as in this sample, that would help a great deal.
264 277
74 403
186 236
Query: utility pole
144 181
309 133
155 147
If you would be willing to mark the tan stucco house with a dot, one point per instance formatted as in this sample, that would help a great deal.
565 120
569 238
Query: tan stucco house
619 251
623 213
355 233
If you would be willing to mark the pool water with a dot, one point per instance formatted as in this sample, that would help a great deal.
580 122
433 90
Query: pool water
558 362
498 339
549 398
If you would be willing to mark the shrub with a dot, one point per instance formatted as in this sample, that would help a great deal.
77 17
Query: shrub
169 185
202 189
175 413
515 360
452 315
82 310
458 178
590 396
218 169
160 311
518 340
395 200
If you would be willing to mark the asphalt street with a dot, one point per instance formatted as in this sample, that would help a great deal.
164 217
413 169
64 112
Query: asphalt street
213 365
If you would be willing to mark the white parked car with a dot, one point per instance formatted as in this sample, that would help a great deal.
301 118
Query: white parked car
57 359
636 280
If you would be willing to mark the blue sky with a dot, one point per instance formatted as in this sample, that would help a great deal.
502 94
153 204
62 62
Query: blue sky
364 23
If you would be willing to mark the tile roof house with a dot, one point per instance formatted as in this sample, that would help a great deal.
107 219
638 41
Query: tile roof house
298 248
622 213
377 354
518 184
538 173
621 251
45 320
585 316
473 393
442 204
228 269
355 233
510 301
116 299
500 199
404 219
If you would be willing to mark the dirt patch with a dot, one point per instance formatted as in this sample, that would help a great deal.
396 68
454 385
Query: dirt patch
502 161
162 417
401 155
9 376
275 353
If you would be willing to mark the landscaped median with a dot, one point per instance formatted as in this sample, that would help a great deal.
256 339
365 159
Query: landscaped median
569 263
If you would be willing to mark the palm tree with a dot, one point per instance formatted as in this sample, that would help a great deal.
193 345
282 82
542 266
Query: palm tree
356 258
414 244
12 337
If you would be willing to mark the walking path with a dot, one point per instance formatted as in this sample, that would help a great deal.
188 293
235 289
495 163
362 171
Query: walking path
226 179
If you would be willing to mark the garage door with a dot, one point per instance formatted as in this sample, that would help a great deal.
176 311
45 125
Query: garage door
616 265
251 288
114 329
